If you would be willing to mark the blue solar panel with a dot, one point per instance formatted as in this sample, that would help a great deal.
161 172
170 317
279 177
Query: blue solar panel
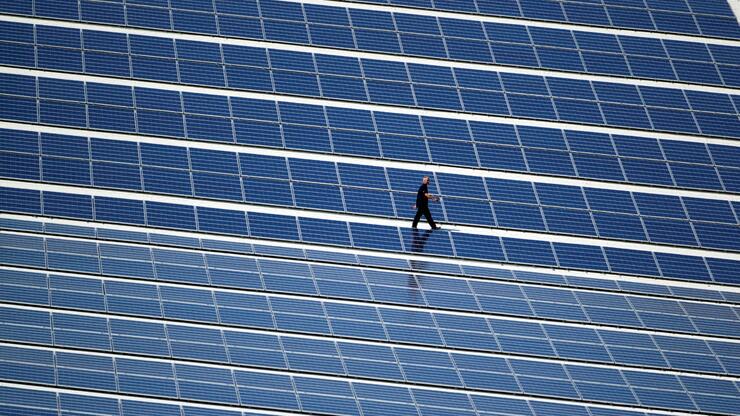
691 17
306 82
282 227
459 42
313 184
347 142
140 283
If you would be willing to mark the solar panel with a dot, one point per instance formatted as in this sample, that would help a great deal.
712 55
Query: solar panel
362 235
312 184
204 207
338 139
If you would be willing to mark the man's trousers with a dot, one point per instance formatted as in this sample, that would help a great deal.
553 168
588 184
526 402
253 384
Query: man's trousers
428 215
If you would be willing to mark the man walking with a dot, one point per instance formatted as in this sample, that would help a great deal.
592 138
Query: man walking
422 204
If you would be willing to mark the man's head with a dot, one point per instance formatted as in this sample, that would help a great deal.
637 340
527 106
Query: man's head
425 180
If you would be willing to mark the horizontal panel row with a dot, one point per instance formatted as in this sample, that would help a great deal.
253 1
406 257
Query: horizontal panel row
370 134
386 82
327 257
398 365
368 236
19 400
365 285
378 323
369 190
373 400
445 38
708 18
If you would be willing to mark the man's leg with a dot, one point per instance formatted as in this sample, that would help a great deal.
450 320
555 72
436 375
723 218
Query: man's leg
428 216
417 217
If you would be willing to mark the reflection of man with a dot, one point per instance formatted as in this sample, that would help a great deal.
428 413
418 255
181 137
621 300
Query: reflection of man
418 241
422 204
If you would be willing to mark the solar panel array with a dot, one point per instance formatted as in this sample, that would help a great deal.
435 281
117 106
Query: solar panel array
205 207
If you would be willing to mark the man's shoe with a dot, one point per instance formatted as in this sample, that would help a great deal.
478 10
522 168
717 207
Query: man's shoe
437 228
